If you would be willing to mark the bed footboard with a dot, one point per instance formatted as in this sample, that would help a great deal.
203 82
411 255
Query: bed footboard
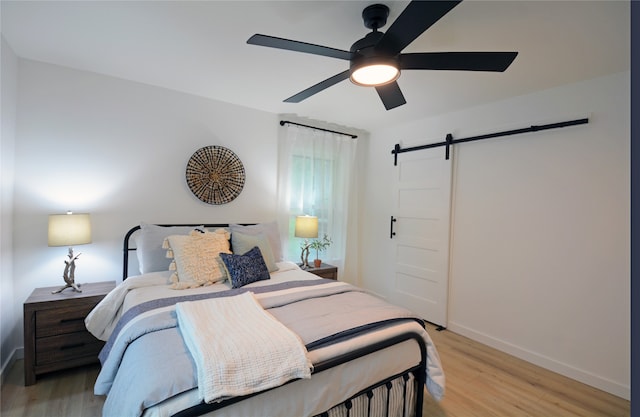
400 395
395 396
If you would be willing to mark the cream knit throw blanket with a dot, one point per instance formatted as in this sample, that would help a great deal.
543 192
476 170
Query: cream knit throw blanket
238 347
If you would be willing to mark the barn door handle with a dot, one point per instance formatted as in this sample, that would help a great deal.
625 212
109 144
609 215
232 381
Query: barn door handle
392 233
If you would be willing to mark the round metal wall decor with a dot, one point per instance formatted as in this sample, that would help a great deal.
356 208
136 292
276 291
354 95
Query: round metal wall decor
215 175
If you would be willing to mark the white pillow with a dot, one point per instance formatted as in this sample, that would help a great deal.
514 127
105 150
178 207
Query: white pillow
269 229
241 244
151 256
196 258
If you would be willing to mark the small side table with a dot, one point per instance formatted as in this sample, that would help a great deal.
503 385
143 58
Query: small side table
55 336
325 271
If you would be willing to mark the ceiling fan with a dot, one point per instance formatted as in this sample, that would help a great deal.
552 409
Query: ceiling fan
376 60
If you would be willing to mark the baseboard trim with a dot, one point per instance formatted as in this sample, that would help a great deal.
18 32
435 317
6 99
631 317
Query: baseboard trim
17 353
553 365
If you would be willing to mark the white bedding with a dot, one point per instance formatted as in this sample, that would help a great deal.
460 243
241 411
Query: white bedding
322 391
138 289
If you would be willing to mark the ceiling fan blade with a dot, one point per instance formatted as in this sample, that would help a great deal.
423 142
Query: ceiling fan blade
297 46
391 95
417 17
322 85
458 61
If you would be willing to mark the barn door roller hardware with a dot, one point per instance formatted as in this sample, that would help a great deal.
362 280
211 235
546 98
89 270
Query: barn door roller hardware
449 141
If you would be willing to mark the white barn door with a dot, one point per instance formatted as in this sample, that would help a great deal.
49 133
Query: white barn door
420 233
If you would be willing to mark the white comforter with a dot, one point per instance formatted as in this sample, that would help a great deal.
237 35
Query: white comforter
137 290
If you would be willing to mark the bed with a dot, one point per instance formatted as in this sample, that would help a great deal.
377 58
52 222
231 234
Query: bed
285 342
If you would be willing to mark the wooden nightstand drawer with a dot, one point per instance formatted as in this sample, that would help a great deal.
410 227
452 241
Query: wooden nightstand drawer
326 274
66 347
62 320
325 271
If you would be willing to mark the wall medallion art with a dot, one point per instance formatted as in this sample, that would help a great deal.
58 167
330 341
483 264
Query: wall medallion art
215 175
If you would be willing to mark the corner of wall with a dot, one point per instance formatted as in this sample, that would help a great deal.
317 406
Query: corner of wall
9 62
6 367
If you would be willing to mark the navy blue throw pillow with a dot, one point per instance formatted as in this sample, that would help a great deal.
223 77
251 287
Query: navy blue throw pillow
247 268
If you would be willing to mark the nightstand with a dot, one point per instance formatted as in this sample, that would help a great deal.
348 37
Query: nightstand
325 271
55 336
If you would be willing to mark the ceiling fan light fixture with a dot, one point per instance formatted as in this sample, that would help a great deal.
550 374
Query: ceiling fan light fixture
374 74
376 59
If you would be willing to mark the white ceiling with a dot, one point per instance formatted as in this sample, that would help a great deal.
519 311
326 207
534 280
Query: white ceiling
200 48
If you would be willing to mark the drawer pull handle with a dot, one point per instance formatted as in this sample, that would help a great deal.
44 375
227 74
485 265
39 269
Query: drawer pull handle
75 345
71 320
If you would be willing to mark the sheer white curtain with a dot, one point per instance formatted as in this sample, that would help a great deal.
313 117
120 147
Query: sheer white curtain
315 177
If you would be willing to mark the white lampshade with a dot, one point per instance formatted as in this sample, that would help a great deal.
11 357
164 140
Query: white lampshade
69 229
306 227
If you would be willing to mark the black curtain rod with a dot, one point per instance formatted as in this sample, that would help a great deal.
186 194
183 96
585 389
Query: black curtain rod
450 141
282 123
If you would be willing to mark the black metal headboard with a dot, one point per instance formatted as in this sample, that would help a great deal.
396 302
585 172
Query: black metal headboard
127 246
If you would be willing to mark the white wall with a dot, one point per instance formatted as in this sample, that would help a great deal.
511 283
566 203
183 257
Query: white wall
118 150
540 253
8 323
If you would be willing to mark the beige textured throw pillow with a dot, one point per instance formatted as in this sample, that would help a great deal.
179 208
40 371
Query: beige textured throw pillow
196 258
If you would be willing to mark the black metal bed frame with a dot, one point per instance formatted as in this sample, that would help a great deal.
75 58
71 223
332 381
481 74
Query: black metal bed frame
418 371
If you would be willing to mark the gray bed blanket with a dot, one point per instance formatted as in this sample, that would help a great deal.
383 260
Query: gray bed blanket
146 361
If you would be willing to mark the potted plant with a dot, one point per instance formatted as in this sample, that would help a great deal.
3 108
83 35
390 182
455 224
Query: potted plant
320 245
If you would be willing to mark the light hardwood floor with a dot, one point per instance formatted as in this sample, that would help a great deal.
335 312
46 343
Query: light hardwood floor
484 382
481 382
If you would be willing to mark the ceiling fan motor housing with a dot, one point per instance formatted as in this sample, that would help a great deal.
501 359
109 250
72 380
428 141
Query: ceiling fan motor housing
364 54
365 45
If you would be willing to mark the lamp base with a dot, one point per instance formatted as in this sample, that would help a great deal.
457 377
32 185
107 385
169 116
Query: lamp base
304 256
76 287
68 274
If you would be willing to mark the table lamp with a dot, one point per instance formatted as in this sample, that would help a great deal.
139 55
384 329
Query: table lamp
69 230
307 228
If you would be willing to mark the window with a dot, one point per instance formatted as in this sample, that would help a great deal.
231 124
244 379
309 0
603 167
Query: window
314 178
